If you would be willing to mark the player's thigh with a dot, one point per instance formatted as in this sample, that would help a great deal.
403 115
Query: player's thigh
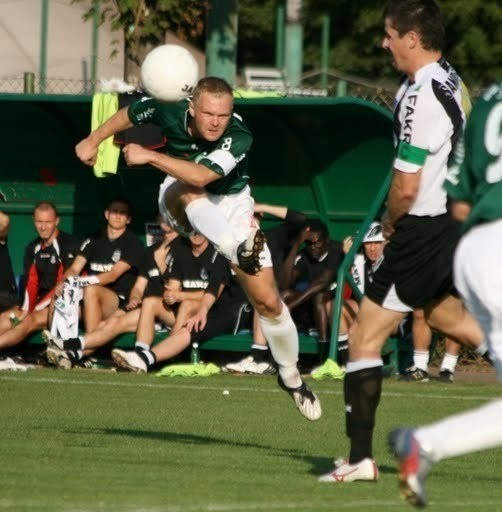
478 278
186 309
165 314
108 299
373 325
40 318
238 210
172 206
152 306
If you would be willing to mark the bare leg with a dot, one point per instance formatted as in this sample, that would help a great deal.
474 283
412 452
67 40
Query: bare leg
422 337
172 345
152 308
5 323
35 321
111 328
275 320
99 304
186 309
450 317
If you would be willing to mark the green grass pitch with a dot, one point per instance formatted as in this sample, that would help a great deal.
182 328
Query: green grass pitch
100 441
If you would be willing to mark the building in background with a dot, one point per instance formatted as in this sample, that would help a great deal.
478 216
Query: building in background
69 47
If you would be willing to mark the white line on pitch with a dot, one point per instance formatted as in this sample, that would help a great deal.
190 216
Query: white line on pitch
171 385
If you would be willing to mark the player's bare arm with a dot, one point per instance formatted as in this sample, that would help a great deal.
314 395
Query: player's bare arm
120 268
402 194
189 173
460 210
277 211
137 291
87 149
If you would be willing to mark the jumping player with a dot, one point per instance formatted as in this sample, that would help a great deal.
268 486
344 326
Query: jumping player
206 189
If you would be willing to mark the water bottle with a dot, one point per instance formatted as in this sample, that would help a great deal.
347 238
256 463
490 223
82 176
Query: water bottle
195 354
14 320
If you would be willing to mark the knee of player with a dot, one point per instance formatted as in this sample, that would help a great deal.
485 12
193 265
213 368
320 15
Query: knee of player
362 339
91 291
269 305
150 303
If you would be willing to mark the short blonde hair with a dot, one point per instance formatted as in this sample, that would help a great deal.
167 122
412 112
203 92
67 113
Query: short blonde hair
212 85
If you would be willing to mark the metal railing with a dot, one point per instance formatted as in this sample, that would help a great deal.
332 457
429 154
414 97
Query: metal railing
344 274
30 84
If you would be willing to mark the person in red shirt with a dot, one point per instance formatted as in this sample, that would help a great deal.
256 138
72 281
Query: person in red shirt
45 260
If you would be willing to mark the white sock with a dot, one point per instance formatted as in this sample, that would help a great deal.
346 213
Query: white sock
343 342
208 219
482 349
421 359
468 432
282 338
145 350
449 362
363 364
82 342
141 345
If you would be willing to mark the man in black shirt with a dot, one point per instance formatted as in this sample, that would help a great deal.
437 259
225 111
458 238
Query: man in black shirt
198 280
149 283
309 273
8 290
111 259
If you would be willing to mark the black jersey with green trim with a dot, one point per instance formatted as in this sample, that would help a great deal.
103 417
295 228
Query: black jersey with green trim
478 178
231 148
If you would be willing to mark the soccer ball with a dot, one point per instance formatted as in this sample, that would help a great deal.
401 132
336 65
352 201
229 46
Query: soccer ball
169 72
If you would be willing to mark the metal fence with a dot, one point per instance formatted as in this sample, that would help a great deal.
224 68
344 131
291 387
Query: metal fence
30 84
33 85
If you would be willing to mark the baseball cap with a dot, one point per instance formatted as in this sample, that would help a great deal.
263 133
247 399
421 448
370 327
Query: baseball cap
374 233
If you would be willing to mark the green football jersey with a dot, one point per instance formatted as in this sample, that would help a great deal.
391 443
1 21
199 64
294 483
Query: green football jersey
227 156
477 176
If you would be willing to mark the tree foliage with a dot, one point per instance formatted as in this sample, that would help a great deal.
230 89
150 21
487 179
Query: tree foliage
474 35
144 24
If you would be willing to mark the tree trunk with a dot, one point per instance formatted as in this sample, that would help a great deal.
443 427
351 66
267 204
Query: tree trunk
135 53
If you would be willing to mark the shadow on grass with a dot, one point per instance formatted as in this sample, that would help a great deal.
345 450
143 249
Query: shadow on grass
319 464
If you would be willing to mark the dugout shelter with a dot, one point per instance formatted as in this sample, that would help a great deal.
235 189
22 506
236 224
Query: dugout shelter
328 157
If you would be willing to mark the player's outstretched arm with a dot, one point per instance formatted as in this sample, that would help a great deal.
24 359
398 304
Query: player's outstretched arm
87 149
190 173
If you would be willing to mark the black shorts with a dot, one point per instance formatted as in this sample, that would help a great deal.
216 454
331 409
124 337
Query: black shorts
222 319
418 262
